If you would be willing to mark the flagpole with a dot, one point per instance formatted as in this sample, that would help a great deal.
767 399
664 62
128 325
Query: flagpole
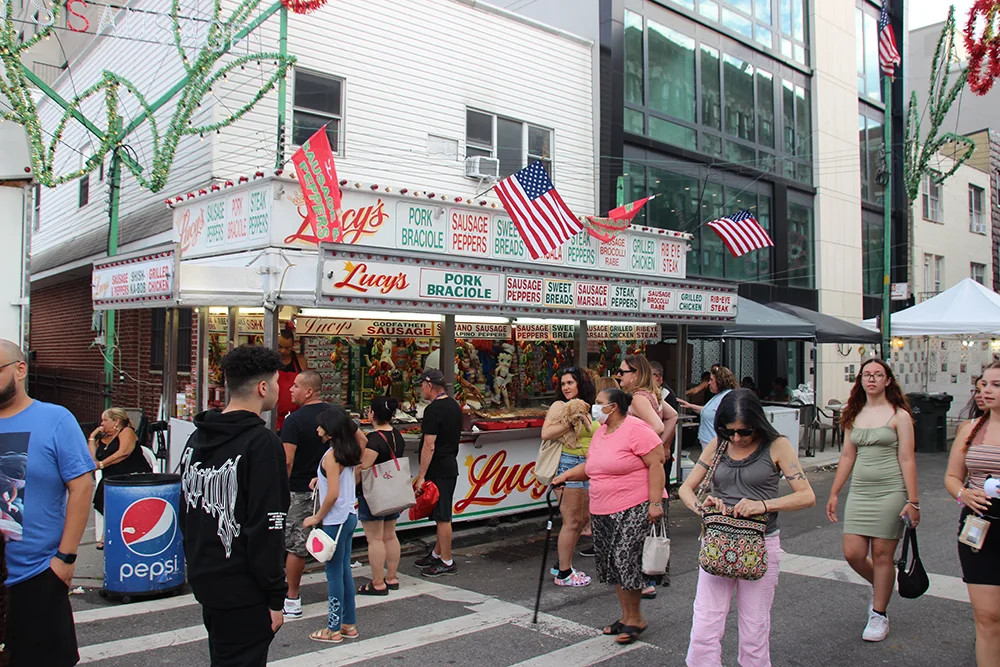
887 220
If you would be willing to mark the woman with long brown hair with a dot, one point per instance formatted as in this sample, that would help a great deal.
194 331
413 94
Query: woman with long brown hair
878 456
973 471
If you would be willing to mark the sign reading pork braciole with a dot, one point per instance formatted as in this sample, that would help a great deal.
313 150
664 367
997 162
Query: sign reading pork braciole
371 277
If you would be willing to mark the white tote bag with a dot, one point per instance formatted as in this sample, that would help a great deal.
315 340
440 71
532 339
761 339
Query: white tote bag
319 543
387 486
656 550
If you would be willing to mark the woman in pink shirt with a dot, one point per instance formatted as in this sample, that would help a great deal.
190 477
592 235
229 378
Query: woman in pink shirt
625 469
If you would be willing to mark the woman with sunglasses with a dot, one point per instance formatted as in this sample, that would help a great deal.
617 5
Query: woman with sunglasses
625 469
573 504
878 457
721 382
745 484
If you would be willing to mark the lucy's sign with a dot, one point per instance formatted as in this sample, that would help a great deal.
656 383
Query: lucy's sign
134 282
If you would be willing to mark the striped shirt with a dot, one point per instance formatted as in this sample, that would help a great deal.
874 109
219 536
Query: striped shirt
981 460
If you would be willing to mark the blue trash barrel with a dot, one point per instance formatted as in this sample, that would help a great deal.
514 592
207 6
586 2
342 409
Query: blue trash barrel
143 550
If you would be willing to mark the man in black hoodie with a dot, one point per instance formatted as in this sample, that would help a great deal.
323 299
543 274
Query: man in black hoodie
235 498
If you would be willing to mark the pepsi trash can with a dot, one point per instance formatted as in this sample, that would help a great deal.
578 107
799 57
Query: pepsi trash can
143 550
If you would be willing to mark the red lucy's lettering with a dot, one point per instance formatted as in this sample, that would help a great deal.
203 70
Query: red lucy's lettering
360 280
494 481
190 231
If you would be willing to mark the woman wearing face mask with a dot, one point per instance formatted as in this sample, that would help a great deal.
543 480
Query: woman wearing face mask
721 382
625 469
745 484
878 448
972 479
574 505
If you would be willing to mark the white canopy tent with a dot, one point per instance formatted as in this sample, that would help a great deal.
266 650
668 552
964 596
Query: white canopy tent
967 309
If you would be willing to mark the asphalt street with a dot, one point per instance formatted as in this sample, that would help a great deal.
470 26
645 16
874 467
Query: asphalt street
482 616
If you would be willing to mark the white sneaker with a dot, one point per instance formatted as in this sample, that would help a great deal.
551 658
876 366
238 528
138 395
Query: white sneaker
292 609
871 600
877 628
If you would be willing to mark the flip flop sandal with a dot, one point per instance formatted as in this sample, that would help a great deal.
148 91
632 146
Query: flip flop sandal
324 636
629 634
649 596
99 547
392 587
349 635
369 589
613 629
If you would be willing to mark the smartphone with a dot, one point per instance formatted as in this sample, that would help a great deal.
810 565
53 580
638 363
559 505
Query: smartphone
907 521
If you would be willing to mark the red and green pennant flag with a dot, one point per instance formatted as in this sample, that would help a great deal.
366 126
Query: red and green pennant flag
317 176
604 229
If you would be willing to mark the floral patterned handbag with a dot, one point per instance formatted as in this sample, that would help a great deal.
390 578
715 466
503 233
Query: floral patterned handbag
731 547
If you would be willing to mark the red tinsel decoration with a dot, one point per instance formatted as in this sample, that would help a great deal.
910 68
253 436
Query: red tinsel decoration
303 6
988 46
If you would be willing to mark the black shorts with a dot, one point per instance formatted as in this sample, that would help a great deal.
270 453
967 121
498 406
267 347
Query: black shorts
981 567
40 627
238 637
442 511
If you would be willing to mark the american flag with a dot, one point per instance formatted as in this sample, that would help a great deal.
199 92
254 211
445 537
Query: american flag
888 56
540 214
741 233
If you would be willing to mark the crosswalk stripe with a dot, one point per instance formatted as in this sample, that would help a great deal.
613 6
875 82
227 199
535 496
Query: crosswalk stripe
942 586
582 654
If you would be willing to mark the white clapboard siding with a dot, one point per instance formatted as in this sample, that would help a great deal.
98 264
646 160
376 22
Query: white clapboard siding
411 68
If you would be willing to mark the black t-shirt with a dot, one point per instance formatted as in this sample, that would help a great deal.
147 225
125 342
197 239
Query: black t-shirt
299 429
379 442
443 418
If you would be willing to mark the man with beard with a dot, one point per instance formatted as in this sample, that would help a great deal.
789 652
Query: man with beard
53 500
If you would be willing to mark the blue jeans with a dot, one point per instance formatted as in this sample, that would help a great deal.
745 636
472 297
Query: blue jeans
339 582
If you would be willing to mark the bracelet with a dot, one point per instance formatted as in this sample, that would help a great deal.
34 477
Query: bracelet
656 504
959 497
913 505
764 504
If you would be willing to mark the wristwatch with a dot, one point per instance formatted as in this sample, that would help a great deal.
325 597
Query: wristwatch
69 559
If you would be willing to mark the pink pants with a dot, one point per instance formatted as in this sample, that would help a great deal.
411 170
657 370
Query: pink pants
753 603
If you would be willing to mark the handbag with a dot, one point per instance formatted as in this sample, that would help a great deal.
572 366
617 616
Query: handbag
656 550
386 486
731 547
912 578
547 461
319 543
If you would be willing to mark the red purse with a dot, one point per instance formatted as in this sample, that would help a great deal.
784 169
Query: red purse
426 498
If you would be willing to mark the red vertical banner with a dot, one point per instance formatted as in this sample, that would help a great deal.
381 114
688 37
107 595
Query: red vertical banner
317 176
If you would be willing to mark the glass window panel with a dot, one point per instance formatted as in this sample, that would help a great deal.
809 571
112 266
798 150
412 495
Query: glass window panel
788 116
317 93
785 10
762 10
737 22
633 58
472 151
875 141
671 72
859 48
863 147
744 6
634 122
712 251
804 172
765 108
763 256
709 9
539 143
800 54
871 258
671 133
675 206
304 125
798 20
510 146
871 57
766 162
762 35
634 175
803 123
478 128
801 260
686 3
786 47
739 98
711 144
737 152
711 96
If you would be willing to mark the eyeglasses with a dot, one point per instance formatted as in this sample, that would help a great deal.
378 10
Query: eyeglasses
728 433
873 376
621 372
9 363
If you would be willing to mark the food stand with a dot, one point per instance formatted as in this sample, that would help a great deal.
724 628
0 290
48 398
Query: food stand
419 279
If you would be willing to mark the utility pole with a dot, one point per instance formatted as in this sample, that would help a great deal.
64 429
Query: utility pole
887 220
114 201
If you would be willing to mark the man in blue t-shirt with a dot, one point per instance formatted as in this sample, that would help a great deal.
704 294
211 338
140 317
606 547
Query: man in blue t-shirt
45 494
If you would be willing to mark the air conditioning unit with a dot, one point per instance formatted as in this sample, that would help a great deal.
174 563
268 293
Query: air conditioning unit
482 167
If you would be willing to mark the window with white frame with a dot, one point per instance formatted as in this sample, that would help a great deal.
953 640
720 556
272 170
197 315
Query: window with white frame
36 208
318 101
978 272
977 197
933 273
932 197
514 143
83 196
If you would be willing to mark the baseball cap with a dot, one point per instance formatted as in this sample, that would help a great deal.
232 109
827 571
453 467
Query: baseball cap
432 375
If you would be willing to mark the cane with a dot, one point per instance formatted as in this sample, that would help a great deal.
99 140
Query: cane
545 553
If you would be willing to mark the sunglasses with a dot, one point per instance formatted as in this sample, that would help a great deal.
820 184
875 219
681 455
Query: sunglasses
728 433
621 372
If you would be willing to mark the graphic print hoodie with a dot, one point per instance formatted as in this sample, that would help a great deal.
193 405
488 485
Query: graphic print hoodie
234 499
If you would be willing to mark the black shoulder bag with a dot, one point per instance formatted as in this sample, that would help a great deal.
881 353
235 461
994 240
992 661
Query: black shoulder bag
912 577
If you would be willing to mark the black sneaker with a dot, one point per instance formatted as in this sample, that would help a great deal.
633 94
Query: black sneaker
588 551
440 569
428 560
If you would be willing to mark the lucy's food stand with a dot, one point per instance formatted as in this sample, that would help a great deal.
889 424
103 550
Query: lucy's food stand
417 279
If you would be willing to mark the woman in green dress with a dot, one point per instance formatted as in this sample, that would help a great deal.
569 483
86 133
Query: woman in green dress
878 457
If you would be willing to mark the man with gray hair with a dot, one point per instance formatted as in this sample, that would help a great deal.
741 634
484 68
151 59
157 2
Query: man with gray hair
42 449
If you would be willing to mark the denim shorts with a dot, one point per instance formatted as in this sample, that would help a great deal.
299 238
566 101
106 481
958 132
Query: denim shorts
567 461
365 512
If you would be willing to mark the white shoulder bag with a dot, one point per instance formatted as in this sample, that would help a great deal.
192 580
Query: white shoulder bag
319 543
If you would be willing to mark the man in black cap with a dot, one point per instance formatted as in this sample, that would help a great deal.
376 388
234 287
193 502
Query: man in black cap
441 428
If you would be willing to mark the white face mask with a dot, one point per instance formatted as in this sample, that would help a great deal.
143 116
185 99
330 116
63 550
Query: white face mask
598 413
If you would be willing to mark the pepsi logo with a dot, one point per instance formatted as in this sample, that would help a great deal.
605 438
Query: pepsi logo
149 526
